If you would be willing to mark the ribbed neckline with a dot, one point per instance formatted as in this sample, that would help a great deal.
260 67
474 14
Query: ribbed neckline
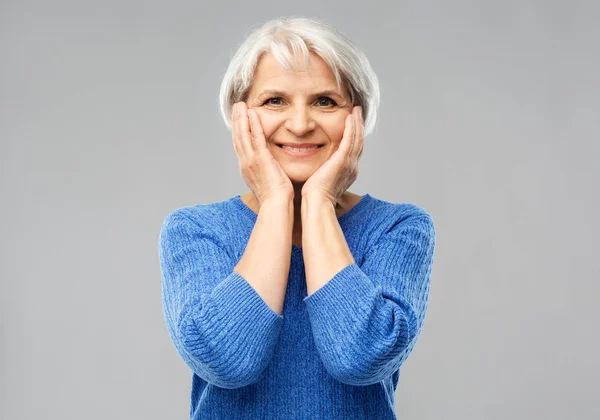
237 200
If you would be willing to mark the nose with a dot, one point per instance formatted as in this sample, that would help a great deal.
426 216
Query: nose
299 121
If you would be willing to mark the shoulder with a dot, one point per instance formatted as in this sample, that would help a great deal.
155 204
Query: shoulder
399 212
392 220
201 217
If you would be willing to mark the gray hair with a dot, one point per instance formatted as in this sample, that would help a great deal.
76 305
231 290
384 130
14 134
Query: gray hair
284 37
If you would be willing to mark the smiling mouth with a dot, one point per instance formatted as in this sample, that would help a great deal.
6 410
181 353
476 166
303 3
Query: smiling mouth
300 148
304 152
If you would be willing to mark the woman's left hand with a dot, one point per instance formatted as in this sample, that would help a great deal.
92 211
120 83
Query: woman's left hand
340 171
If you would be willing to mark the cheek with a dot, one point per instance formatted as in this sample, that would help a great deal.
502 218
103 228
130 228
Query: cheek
269 123
335 129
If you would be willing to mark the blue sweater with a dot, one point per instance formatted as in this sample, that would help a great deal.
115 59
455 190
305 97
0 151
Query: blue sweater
335 354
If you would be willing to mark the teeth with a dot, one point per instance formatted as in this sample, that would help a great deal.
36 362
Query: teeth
298 149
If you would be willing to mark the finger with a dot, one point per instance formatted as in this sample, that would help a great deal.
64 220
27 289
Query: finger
362 143
345 144
245 135
351 137
346 141
360 140
258 136
235 132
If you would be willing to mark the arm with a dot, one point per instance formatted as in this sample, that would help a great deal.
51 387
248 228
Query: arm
219 324
366 319
324 246
266 260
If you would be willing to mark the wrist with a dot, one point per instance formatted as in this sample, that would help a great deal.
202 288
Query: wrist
279 202
312 202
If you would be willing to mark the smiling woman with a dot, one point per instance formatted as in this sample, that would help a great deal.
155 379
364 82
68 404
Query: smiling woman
300 110
299 299
293 43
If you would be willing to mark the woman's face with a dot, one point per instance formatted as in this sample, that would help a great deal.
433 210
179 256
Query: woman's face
301 107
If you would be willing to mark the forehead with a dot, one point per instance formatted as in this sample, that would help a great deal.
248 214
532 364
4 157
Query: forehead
270 74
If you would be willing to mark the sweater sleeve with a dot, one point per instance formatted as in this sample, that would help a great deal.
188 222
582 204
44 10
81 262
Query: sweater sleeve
366 319
220 326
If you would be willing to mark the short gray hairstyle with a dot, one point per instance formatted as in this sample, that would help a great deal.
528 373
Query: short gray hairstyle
284 37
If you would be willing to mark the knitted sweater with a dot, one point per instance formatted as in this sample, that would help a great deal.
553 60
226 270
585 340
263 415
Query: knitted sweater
335 354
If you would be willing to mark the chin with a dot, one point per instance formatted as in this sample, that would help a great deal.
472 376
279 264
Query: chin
299 175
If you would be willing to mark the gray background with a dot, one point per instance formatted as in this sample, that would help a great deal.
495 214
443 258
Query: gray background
490 120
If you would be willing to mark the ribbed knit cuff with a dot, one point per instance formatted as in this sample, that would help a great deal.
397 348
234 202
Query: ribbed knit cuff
233 341
240 303
348 292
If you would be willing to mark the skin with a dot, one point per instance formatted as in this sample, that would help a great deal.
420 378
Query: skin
300 114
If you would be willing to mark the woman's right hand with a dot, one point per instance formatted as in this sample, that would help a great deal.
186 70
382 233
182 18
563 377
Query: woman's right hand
261 172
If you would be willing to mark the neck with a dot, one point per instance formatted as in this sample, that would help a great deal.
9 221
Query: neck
346 201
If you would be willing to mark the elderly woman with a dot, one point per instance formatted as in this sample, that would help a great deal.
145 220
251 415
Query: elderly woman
298 299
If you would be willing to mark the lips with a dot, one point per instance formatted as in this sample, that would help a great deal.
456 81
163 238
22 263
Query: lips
299 145
300 153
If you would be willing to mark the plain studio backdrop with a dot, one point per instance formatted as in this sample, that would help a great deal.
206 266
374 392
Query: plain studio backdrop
489 119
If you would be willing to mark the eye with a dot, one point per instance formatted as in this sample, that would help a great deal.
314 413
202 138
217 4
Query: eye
331 101
323 101
271 103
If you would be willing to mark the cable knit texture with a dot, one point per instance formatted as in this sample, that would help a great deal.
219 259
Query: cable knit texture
335 354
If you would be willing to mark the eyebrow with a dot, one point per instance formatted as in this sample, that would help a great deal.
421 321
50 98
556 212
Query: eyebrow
275 92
